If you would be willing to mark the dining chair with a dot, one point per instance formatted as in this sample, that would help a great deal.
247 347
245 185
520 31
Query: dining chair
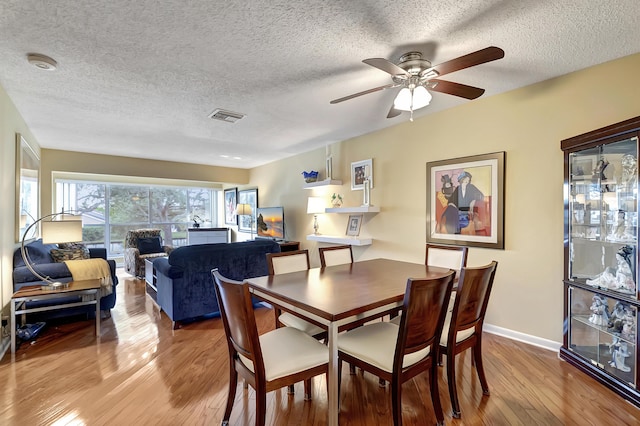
283 263
278 358
335 255
463 325
452 257
398 353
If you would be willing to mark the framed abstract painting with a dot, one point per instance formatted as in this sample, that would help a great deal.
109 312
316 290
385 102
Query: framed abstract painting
465 201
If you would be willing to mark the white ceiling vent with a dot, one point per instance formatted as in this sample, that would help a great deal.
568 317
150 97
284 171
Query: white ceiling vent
224 115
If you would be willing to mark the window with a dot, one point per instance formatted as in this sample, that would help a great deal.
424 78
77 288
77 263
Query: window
110 210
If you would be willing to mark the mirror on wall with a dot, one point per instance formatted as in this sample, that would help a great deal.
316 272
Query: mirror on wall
27 188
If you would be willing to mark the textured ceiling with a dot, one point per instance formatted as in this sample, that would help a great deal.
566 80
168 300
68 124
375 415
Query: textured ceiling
139 78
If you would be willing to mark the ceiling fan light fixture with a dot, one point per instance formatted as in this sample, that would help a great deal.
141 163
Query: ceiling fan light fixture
403 100
412 99
421 97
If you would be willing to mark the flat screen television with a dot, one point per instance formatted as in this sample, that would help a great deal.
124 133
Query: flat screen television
270 223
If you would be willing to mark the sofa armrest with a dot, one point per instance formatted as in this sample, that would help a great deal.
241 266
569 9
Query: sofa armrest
98 252
112 268
163 267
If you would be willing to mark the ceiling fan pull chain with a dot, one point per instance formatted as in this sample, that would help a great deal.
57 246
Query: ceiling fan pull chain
411 107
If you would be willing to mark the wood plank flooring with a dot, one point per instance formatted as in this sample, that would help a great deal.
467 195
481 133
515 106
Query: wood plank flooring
144 373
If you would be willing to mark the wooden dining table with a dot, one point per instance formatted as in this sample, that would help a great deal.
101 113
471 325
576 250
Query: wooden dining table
339 296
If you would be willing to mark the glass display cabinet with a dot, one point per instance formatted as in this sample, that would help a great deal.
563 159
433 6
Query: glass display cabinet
601 255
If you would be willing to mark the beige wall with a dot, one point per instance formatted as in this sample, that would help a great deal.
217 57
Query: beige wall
11 122
61 162
528 124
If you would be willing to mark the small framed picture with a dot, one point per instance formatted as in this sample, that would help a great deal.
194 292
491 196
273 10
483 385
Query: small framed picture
353 225
247 223
230 201
361 170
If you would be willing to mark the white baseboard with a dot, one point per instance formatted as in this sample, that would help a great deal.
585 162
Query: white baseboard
524 338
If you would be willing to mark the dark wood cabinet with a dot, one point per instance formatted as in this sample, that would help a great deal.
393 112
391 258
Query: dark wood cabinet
601 256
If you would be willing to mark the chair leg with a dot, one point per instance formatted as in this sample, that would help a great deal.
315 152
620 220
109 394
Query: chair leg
435 394
477 356
339 380
291 390
231 396
352 369
381 382
307 390
451 378
261 406
396 401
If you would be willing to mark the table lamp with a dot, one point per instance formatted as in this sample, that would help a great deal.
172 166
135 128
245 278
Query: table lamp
315 206
246 210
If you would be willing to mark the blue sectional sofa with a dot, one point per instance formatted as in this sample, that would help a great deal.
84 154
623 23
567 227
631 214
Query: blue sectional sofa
44 264
184 283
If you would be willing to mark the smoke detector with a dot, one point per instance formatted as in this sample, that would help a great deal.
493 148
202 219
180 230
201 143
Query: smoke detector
227 116
41 61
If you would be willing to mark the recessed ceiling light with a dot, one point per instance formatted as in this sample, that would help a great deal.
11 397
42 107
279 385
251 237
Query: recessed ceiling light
41 61
224 156
237 158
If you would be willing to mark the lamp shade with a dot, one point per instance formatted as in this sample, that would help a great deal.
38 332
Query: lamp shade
315 205
412 99
244 210
61 231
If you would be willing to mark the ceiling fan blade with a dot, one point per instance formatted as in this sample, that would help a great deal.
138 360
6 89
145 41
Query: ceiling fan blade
472 59
456 89
393 112
386 66
366 92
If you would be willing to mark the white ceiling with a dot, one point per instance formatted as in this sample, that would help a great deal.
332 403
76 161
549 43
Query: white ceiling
139 78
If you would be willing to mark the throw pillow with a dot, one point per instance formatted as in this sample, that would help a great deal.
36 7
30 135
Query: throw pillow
149 245
74 246
60 255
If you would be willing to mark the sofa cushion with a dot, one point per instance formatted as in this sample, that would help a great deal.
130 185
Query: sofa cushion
37 252
149 245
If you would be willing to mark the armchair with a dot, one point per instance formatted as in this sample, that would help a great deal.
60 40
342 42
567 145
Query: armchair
141 244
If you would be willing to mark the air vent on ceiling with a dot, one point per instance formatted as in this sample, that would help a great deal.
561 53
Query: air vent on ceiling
224 115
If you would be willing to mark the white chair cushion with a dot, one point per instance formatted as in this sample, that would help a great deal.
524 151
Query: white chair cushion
289 263
305 326
460 336
337 257
376 345
287 351
444 258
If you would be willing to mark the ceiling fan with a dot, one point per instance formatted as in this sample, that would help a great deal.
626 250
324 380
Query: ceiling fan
416 76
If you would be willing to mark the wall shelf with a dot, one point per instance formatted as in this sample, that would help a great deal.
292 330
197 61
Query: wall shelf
325 182
354 241
358 209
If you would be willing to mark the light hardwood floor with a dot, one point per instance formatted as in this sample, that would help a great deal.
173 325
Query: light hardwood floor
144 373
